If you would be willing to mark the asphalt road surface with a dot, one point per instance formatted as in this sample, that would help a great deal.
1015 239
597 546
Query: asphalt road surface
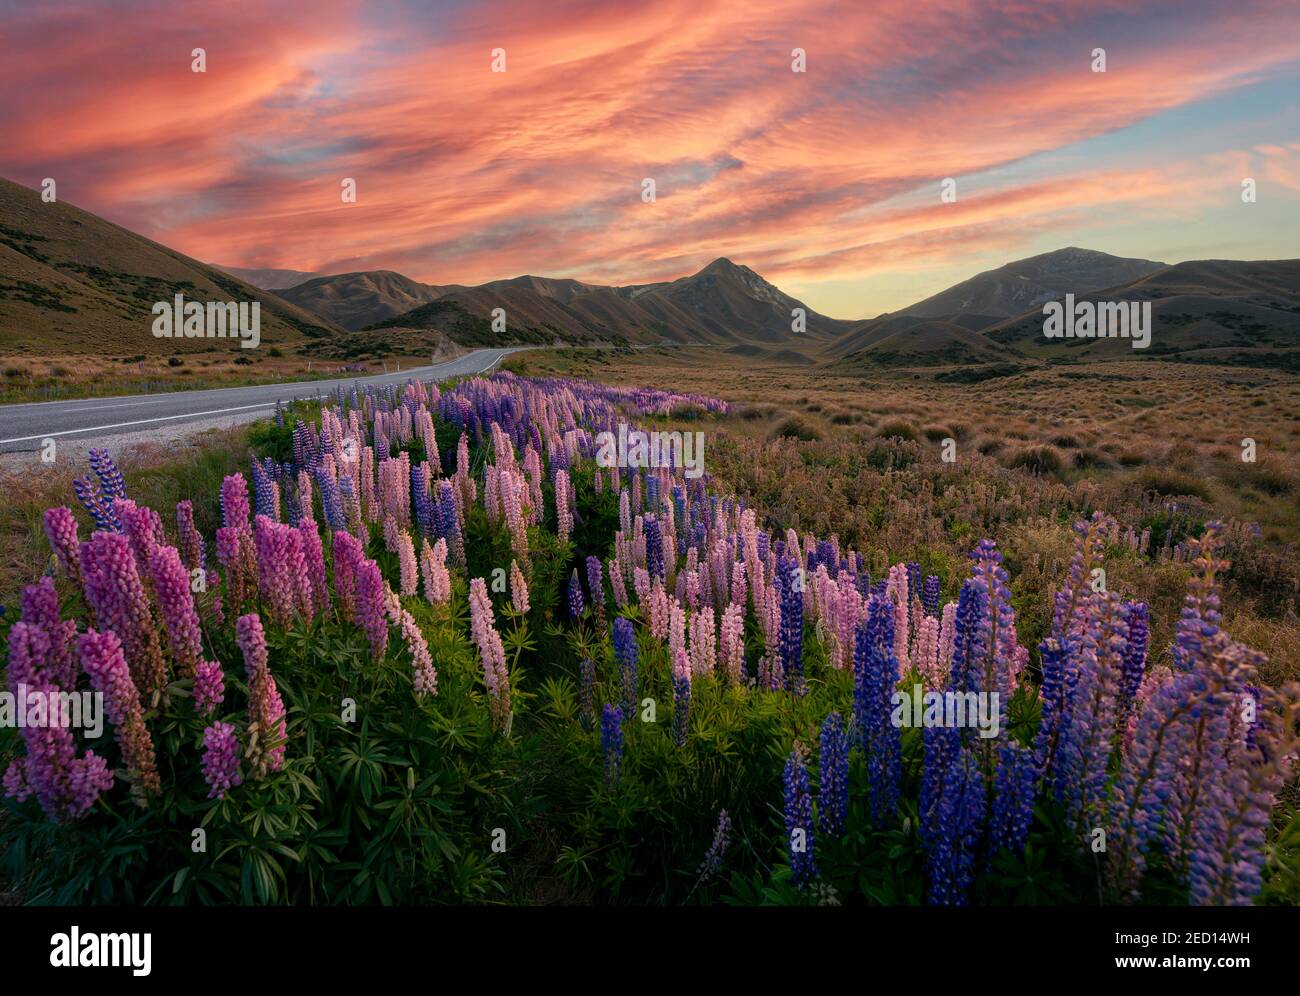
24 426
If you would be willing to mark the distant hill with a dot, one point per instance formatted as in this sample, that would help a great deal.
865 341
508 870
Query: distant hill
1027 283
1242 312
269 279
71 282
723 303
925 343
357 300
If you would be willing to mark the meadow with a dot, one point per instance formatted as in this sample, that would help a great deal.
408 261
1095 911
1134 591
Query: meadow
418 647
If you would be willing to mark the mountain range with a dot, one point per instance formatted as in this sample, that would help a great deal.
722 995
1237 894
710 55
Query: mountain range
71 282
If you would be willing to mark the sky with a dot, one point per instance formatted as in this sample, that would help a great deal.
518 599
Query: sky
827 182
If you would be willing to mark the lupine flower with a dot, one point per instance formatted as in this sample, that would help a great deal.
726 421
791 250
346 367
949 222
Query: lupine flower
40 608
563 513
371 596
717 850
235 510
433 566
115 592
956 825
209 687
732 652
65 786
450 518
314 559
875 676
791 625
681 708
518 589
587 693
171 583
409 569
833 783
103 661
221 759
930 595
596 588
1013 799
611 742
190 541
799 820
424 676
266 724
626 656
575 596
491 652
654 549
61 531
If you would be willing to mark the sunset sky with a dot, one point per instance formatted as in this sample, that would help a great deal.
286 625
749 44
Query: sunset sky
825 182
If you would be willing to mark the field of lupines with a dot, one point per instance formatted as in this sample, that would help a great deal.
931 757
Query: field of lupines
437 653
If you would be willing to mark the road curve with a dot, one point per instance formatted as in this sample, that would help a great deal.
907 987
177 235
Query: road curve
23 426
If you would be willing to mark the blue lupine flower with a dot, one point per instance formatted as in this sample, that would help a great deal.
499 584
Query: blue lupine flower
799 820
1135 650
575 596
654 548
611 742
681 708
954 818
930 596
1013 799
833 783
875 676
626 656
791 634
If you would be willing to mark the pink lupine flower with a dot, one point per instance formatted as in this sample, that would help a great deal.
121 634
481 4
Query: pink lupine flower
171 584
209 687
424 676
704 641
115 592
266 725
563 513
61 531
692 587
615 572
235 509
189 542
658 610
433 566
518 588
896 592
66 786
641 582
491 652
273 577
40 608
231 556
371 596
511 489
681 666
143 527
306 510
102 659
947 637
925 655
676 627
347 557
410 570
221 759
733 643
314 556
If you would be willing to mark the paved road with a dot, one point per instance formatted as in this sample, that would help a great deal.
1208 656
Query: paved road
22 427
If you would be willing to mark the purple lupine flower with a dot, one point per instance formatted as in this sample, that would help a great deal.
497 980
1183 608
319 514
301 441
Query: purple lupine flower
61 530
111 482
799 820
235 510
266 723
221 759
116 594
833 780
1135 650
611 742
875 676
103 661
171 583
654 548
370 605
575 596
40 608
681 708
450 517
958 828
314 557
713 858
596 587
791 628
209 687
1013 799
626 656
930 596
190 540
587 693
